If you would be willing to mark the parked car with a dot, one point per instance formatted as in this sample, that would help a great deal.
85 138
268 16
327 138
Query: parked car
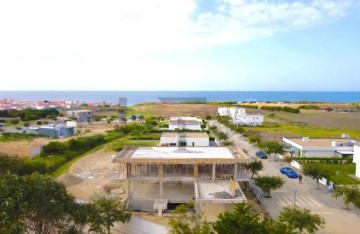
261 154
289 172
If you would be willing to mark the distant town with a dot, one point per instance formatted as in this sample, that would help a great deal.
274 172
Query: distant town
10 104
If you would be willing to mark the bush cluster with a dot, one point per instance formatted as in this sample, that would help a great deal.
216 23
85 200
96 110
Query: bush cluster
29 114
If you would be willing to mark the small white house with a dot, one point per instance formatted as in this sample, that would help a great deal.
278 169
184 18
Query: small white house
253 120
356 159
240 117
322 147
231 111
81 115
181 123
189 139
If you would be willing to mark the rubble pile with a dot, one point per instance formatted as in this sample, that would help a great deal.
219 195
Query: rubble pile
223 195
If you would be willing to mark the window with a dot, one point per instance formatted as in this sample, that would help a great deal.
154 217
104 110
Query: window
172 144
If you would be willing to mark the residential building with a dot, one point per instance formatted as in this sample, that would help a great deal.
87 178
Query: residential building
182 123
324 147
81 115
240 117
253 120
58 130
231 111
173 175
356 160
193 139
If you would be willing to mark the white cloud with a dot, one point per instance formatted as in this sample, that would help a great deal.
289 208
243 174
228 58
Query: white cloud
251 19
82 41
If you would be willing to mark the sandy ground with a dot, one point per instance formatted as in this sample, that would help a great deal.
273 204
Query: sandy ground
21 148
89 175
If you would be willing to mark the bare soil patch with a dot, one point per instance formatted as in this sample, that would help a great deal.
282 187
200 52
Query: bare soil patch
21 148
88 176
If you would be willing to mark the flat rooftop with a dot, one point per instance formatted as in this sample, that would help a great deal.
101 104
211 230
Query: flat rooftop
180 155
323 142
182 152
185 134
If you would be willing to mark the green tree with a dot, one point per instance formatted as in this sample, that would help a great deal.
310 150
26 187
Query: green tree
272 147
268 183
301 219
106 212
208 117
254 167
316 171
187 220
227 143
26 124
39 122
37 204
288 159
221 136
350 194
253 139
241 221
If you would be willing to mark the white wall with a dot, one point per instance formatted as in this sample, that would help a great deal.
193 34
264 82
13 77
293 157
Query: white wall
201 142
356 159
254 120
183 126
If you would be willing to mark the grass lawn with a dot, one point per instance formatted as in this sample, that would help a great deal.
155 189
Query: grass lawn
344 172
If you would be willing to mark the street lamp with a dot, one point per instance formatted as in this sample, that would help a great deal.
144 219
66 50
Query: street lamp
295 192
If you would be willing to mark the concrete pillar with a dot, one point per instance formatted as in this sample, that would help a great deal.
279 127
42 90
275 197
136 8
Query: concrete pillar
213 174
161 170
235 171
161 189
129 191
196 171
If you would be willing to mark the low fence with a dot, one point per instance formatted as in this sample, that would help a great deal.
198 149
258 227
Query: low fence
298 166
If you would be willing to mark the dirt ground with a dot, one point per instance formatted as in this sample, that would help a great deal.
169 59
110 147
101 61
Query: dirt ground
88 176
23 148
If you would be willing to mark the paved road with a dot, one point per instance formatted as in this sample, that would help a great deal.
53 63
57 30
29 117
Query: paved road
320 201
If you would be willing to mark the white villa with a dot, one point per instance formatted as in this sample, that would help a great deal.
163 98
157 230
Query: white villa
324 147
181 123
189 139
240 117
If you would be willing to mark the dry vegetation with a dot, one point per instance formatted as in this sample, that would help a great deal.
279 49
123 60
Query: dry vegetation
167 110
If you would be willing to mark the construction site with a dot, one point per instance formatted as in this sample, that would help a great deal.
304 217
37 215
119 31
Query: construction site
160 178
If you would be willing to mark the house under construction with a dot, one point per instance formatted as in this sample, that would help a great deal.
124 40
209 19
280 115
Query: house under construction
162 177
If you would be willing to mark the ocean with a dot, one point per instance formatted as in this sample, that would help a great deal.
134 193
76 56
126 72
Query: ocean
136 97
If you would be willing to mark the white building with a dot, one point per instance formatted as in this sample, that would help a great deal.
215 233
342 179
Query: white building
325 147
181 123
254 120
231 111
81 115
240 117
356 160
189 139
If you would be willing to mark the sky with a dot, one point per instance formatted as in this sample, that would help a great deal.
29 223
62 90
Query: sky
190 45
